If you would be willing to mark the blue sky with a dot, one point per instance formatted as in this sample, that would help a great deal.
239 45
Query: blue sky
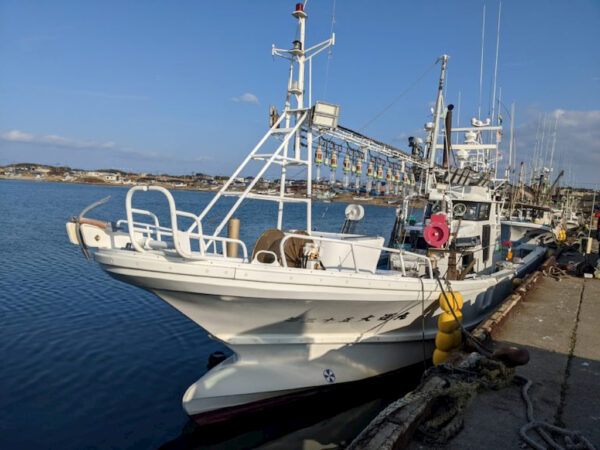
183 87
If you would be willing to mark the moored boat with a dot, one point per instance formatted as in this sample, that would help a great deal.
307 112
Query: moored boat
307 309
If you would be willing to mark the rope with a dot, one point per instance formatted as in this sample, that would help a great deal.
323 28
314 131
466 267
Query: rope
554 272
413 84
423 322
573 439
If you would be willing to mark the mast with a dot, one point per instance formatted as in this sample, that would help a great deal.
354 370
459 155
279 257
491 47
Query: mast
497 156
298 55
553 143
458 115
436 119
496 64
481 65
512 139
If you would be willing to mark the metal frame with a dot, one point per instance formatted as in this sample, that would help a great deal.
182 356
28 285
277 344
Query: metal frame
352 246
174 232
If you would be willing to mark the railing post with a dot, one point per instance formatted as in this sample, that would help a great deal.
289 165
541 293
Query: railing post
354 258
129 212
402 264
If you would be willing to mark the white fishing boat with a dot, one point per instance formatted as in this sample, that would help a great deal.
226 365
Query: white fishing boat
325 195
307 309
528 221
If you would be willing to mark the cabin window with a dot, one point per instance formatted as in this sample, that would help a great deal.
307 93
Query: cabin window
484 211
467 210
471 210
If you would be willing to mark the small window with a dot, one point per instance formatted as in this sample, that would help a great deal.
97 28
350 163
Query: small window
471 211
484 211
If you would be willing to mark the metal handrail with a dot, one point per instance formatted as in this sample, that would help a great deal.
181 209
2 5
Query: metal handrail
352 246
266 252
174 230
157 226
166 231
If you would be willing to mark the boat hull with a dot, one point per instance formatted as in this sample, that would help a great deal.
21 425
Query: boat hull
524 231
295 329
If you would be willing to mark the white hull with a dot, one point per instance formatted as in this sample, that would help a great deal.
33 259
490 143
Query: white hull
523 231
295 329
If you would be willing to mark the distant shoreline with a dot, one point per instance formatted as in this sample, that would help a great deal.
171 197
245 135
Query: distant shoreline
346 197
101 183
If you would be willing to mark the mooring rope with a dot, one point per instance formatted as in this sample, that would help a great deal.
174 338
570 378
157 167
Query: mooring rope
574 439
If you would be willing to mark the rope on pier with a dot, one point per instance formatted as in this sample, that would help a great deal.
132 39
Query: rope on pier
573 439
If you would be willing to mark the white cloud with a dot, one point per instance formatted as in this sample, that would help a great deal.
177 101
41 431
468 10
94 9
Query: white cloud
246 98
17 136
53 140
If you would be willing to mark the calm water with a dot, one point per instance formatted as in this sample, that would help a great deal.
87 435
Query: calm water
88 362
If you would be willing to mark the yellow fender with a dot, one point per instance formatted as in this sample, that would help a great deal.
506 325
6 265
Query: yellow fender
439 357
447 323
456 338
444 341
455 301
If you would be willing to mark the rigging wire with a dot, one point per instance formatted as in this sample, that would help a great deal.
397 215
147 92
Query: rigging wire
329 52
393 102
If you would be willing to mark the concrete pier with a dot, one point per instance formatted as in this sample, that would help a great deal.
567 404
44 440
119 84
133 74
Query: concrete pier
559 323
557 320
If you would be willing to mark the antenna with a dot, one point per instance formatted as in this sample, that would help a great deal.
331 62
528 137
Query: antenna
553 142
496 64
458 116
541 153
481 66
512 139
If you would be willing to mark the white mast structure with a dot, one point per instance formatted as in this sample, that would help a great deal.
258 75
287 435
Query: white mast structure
284 129
496 64
436 122
511 155
481 65
553 144
298 56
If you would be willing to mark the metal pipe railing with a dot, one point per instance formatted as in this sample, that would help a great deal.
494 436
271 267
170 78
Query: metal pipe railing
352 245
174 231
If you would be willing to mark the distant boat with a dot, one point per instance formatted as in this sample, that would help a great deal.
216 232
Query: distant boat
362 199
324 196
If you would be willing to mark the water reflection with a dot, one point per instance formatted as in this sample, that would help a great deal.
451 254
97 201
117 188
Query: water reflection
326 420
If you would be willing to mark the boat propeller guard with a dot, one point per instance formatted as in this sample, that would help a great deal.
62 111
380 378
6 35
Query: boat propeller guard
436 233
